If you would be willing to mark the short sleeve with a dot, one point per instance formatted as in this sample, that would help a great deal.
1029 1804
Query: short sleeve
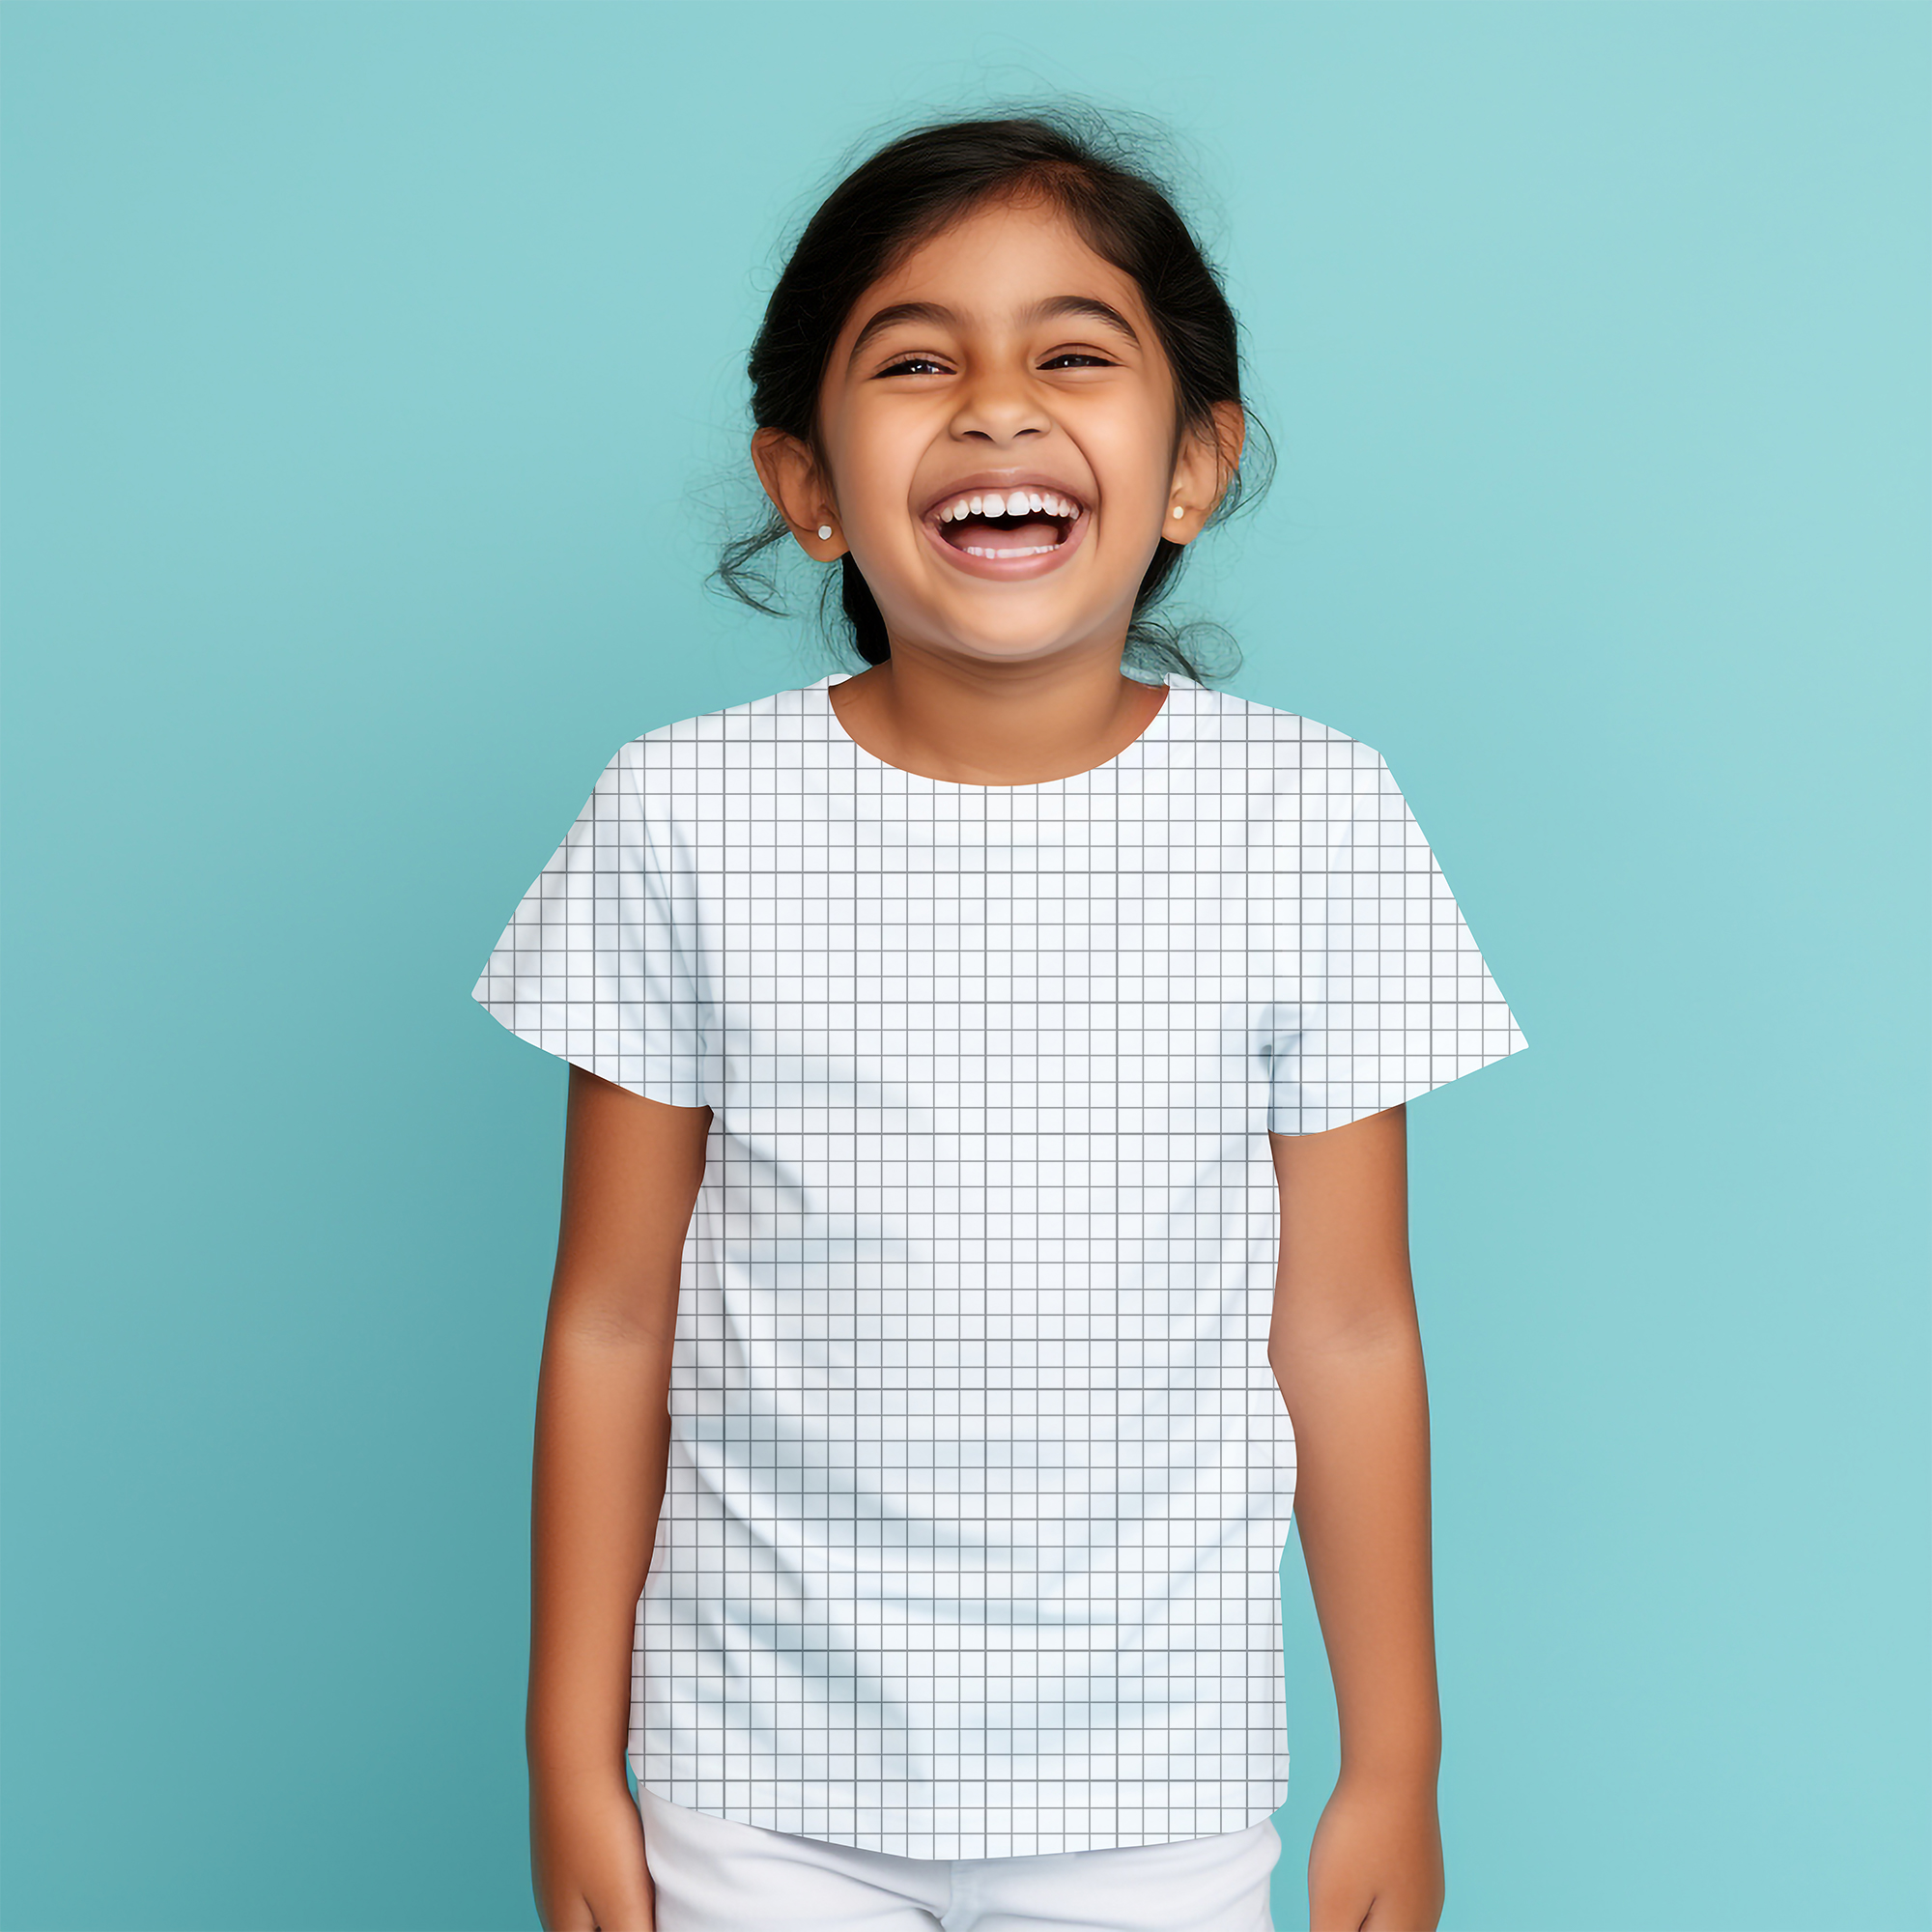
1392 998
600 964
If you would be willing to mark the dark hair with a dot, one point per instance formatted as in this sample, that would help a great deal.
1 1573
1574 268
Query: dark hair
1077 161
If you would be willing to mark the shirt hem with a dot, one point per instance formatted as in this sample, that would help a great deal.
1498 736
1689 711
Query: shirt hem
923 1836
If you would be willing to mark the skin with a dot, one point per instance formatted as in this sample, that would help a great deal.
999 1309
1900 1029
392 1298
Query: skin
998 683
990 683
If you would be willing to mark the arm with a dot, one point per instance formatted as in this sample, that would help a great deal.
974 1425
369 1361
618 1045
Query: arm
1346 1353
632 1168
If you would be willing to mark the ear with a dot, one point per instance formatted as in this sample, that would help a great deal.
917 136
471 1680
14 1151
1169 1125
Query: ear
1202 471
791 481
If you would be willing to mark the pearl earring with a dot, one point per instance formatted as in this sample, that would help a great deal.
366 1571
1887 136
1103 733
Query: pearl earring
1178 511
825 530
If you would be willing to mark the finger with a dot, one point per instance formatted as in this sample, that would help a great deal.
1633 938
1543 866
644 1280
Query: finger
1340 1908
1402 1911
624 1908
567 1914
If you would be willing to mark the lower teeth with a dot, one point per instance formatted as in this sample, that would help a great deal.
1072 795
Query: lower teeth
1038 550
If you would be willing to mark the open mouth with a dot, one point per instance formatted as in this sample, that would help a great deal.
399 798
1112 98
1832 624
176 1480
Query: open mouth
1027 523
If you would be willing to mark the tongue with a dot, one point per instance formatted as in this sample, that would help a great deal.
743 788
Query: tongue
984 536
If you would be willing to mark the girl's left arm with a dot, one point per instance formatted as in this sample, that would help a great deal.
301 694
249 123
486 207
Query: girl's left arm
1347 1352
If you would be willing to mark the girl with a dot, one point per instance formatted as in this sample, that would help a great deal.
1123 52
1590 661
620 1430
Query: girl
984 1135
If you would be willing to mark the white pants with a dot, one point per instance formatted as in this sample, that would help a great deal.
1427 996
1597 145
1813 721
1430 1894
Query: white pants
717 1875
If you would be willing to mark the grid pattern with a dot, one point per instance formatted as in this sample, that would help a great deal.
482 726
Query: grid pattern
980 1477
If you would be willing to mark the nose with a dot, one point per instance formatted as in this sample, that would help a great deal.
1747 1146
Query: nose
999 405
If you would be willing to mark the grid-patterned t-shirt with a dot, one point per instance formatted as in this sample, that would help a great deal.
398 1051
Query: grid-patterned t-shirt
980 1477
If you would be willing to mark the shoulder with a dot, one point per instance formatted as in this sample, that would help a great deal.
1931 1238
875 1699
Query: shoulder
710 752
1275 748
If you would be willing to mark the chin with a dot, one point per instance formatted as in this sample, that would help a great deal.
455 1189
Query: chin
1016 631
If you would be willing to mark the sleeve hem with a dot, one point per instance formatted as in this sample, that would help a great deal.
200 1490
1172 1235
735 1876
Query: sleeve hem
670 1087
1319 1118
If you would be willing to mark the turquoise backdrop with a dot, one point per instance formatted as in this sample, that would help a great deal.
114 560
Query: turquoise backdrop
373 390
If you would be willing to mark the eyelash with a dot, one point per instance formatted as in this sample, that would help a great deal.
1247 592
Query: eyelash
1101 361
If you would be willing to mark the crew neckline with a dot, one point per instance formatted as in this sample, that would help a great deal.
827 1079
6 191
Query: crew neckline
1129 753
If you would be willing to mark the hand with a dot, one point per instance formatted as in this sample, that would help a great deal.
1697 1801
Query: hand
1376 1862
588 1857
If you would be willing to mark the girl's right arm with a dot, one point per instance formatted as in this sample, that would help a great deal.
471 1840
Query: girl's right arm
632 1168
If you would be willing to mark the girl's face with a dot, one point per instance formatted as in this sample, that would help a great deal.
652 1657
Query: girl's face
1003 356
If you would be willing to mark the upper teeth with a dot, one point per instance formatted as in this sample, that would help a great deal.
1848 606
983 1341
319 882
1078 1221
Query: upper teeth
1016 503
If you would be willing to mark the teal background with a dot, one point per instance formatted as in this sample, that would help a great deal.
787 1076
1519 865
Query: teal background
371 385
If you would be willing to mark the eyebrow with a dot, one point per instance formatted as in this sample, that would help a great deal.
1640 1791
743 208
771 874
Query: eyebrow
1040 311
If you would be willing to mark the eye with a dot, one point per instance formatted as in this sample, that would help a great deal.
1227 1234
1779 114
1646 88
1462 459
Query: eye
1079 356
906 363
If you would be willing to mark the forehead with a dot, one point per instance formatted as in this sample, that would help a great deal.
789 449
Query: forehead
994 263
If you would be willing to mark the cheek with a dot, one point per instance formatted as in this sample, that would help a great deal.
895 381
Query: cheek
1132 457
875 460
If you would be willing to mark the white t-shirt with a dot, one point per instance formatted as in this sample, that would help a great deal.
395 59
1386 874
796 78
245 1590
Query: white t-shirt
980 1477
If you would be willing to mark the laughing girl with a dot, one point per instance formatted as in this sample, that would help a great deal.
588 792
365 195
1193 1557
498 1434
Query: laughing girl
984 1201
